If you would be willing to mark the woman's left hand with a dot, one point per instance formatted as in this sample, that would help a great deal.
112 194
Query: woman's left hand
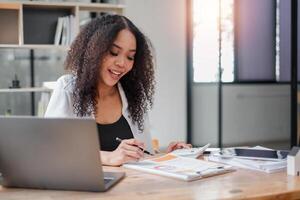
178 145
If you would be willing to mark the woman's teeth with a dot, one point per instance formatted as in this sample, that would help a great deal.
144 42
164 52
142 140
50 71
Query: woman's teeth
115 72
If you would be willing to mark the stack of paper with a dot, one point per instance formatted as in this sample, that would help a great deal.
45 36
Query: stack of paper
260 164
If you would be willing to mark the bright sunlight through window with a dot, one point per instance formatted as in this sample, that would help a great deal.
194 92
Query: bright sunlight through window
206 40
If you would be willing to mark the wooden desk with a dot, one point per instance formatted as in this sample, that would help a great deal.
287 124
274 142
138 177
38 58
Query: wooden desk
241 184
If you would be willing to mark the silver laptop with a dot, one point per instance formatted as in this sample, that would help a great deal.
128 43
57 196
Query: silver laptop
52 153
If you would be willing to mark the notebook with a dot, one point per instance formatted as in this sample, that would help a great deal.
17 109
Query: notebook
178 167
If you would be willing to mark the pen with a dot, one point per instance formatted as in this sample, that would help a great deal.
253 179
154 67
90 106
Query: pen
145 151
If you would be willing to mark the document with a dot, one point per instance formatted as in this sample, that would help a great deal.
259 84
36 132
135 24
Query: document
259 163
183 168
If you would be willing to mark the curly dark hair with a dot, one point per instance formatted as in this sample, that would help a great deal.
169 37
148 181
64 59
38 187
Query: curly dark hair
88 50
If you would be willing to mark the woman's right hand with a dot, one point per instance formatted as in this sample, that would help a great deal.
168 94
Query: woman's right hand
128 150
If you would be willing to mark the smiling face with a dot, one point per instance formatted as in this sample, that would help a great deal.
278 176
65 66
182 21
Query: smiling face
119 60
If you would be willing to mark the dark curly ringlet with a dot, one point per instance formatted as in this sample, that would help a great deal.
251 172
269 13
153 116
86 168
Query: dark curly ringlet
87 52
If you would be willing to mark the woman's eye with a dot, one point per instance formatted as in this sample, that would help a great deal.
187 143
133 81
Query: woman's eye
113 53
130 58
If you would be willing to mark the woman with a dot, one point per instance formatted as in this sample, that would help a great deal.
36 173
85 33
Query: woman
112 80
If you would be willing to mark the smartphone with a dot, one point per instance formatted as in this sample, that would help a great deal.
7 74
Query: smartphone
260 153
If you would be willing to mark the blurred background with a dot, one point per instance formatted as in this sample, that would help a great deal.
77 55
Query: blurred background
223 67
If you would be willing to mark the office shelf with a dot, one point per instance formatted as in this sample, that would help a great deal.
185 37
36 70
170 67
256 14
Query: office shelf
33 24
30 89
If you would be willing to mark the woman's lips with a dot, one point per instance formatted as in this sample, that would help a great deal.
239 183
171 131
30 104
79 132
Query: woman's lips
115 74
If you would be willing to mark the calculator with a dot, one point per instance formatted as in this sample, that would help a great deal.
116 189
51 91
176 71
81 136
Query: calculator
191 152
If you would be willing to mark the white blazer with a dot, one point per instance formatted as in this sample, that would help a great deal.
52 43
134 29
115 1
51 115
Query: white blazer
61 105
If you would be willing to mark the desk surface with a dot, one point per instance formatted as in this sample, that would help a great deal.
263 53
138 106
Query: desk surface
241 184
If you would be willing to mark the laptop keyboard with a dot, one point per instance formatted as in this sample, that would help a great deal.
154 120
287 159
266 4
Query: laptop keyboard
108 179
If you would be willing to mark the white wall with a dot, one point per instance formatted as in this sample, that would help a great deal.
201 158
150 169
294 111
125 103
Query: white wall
252 114
164 22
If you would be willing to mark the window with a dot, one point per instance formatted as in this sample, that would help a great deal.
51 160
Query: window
207 36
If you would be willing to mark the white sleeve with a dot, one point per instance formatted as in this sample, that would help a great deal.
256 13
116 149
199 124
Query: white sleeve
60 104
147 134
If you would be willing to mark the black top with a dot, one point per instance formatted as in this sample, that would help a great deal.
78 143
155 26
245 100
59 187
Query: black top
108 133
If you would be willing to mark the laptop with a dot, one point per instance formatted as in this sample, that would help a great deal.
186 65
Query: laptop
52 153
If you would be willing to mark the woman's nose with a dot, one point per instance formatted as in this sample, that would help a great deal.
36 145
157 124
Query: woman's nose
120 62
